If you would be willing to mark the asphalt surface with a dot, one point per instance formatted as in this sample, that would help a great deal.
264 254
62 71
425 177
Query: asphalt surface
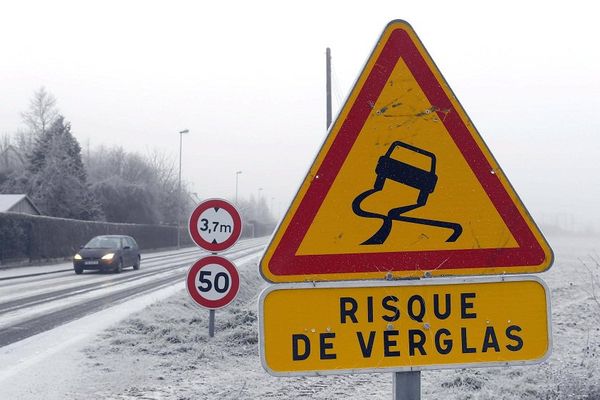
31 303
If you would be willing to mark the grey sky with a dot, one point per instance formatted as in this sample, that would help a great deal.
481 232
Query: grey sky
247 79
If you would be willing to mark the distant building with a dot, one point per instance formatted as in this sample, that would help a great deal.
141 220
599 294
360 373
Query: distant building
18 203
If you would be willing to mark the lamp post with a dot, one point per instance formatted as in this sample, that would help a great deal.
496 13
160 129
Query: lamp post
257 211
272 210
237 174
179 190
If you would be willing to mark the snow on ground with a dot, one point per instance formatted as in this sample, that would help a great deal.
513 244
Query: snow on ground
164 352
47 365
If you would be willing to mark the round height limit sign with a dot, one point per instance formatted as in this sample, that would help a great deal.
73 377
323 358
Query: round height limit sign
215 225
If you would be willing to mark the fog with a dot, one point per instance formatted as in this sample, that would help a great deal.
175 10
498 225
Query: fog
248 81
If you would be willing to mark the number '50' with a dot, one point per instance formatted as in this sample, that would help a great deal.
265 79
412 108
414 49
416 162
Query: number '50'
220 282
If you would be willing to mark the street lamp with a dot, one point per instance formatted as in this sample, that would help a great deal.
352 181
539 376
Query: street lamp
179 190
237 174
272 210
257 213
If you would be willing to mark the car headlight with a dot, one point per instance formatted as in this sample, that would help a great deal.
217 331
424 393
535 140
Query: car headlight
77 257
108 256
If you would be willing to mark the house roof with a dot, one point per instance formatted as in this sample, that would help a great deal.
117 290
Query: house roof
8 201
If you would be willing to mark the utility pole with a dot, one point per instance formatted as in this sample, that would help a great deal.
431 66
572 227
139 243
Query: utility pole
237 174
328 85
179 190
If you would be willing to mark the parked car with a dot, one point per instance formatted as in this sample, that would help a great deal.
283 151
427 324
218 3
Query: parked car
108 253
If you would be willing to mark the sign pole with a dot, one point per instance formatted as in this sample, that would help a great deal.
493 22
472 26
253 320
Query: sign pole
211 318
474 224
213 282
407 385
211 323
328 85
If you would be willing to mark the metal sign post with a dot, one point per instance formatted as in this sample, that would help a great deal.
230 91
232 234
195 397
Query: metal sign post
213 282
403 188
407 385
211 323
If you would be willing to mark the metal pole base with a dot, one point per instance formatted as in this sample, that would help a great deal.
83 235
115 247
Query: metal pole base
211 323
407 385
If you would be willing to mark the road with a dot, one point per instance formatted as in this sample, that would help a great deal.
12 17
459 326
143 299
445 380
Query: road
38 300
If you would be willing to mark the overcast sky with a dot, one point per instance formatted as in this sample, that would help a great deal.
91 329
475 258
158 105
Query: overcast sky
248 80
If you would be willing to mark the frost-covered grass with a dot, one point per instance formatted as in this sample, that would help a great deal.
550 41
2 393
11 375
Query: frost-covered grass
164 352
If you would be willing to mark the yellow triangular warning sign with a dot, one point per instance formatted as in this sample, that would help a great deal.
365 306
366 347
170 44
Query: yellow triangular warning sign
403 185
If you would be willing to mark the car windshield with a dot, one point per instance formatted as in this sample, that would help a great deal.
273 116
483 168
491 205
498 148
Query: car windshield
100 242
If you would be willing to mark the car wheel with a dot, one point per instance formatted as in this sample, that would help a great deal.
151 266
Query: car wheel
136 266
78 270
119 267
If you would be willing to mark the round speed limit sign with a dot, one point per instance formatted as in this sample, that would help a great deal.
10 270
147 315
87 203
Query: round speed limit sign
213 282
215 225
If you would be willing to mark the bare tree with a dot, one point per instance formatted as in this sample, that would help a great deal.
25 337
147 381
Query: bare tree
40 116
164 168
135 188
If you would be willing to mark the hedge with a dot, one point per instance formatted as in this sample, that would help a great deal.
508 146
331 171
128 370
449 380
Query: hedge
32 238
36 238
